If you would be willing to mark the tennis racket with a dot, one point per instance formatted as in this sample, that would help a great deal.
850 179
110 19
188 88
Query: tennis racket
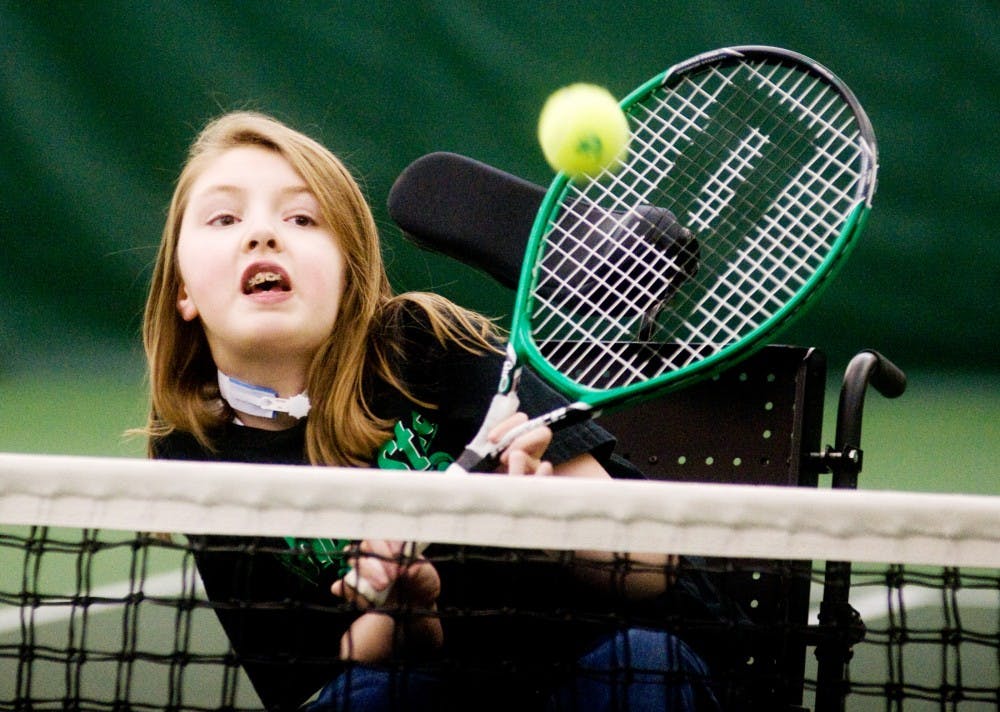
749 178
750 175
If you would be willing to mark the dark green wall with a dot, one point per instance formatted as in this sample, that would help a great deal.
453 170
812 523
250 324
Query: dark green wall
101 98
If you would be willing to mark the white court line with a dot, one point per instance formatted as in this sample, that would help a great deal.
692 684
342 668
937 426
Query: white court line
874 605
161 585
871 605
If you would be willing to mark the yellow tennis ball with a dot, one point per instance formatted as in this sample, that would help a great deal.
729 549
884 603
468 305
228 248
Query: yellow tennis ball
582 130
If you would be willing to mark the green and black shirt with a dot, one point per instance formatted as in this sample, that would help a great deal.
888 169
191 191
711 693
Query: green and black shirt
275 604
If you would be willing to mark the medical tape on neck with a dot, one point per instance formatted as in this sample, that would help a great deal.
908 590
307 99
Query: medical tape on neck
257 400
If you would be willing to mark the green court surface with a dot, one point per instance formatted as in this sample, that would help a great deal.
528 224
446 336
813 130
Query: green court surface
942 435
129 631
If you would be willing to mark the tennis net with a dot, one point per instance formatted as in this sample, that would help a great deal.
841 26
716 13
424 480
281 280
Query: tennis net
97 615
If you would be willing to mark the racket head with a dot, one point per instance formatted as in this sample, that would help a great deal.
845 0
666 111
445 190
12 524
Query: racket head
750 175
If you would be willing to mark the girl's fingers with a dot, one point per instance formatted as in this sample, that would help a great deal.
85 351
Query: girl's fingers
535 441
383 565
374 568
506 424
524 454
520 462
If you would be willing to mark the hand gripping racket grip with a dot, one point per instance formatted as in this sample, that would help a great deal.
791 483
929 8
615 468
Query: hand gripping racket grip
480 454
478 451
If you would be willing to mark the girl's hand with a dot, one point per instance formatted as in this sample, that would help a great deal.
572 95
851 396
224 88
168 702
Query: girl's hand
385 566
524 456
413 582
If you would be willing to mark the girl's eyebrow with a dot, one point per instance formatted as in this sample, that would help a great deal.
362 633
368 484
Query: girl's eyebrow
290 190
294 190
213 190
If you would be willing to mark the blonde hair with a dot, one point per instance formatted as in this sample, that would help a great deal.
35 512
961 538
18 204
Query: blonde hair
342 428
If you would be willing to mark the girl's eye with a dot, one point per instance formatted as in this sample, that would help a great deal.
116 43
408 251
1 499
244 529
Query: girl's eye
222 220
303 220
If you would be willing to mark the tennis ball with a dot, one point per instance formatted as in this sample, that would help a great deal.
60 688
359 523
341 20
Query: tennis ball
582 130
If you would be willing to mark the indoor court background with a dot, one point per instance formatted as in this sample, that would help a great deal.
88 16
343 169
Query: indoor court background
100 100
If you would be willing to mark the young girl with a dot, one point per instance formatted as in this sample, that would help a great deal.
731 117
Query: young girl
273 336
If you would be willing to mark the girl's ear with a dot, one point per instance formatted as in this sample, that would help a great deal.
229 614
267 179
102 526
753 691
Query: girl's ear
185 305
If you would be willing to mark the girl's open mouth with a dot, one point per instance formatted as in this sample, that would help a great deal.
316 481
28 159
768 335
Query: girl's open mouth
260 278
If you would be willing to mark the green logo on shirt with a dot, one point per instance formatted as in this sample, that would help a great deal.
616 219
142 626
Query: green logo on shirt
409 448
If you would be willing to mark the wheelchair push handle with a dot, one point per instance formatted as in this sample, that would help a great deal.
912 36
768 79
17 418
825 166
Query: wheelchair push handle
868 367
883 375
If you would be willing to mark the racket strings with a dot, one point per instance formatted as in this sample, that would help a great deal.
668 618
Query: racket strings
763 161
720 189
628 297
796 98
578 258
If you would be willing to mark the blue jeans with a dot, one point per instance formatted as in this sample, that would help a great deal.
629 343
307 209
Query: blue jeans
369 689
634 669
637 669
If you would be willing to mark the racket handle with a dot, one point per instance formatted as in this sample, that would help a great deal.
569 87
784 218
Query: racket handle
363 586
485 456
473 461
481 455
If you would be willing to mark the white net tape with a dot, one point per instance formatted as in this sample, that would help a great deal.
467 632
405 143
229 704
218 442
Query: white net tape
558 513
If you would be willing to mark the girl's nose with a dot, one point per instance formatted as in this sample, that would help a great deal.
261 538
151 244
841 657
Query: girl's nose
262 237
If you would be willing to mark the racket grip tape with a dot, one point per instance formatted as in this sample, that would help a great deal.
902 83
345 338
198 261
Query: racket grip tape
481 455
473 461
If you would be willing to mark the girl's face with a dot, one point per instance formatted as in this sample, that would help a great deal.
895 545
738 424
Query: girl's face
257 264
